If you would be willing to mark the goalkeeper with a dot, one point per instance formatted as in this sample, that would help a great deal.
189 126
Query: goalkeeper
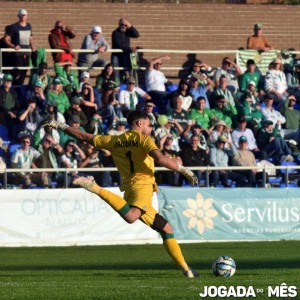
134 153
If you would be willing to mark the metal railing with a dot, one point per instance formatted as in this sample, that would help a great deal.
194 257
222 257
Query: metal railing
285 171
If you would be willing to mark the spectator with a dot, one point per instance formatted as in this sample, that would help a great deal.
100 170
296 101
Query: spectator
129 97
92 160
194 156
36 93
180 116
74 121
198 130
71 158
84 78
257 41
201 71
149 108
220 129
75 110
30 118
68 77
25 157
219 157
9 105
50 150
269 140
222 112
291 126
250 107
245 158
242 130
275 82
119 129
156 84
93 41
201 114
42 131
183 92
7 60
250 75
270 113
293 79
231 71
59 38
41 76
52 112
19 36
110 109
197 91
87 100
59 96
121 40
169 177
223 90
107 76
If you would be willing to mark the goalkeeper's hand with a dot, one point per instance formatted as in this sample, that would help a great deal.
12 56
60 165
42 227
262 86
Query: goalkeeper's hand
188 174
56 124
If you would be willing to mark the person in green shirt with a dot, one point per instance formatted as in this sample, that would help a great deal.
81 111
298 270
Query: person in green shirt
59 96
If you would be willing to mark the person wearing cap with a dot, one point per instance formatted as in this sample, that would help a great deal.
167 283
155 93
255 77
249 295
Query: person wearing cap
243 130
96 42
68 77
156 82
270 113
75 110
121 38
275 82
129 98
19 36
149 107
257 41
219 157
59 96
30 118
270 140
59 38
250 75
231 71
293 79
245 158
9 104
42 76
223 112
198 130
37 93
119 128
291 128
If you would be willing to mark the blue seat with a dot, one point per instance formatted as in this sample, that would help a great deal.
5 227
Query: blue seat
3 132
289 171
172 87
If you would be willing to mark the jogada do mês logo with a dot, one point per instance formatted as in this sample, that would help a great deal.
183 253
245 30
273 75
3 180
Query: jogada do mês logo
280 291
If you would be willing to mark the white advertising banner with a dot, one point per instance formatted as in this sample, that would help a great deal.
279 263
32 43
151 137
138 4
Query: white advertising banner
65 217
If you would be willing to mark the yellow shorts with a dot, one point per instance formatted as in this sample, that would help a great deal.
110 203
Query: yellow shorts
139 194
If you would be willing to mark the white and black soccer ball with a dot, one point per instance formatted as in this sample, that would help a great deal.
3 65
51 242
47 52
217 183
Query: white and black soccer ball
223 266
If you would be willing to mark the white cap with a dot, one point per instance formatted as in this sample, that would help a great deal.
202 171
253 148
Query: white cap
97 29
85 75
22 12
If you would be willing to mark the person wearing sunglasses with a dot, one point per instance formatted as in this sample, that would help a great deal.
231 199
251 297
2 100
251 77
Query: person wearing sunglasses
25 157
121 38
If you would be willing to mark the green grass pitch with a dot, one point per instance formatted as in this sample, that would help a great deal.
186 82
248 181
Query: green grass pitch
142 271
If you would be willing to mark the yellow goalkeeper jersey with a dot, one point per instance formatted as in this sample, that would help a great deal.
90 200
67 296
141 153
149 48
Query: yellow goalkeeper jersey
130 153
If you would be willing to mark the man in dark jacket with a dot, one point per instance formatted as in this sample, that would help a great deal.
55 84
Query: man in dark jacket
121 40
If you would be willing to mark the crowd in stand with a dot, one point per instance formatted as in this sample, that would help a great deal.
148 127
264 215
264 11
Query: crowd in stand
224 117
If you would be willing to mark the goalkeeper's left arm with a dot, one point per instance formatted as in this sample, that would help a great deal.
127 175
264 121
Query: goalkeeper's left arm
74 132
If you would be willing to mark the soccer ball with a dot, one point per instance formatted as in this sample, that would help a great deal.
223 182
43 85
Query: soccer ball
223 266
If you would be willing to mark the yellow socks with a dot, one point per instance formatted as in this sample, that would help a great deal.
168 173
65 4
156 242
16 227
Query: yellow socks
174 251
